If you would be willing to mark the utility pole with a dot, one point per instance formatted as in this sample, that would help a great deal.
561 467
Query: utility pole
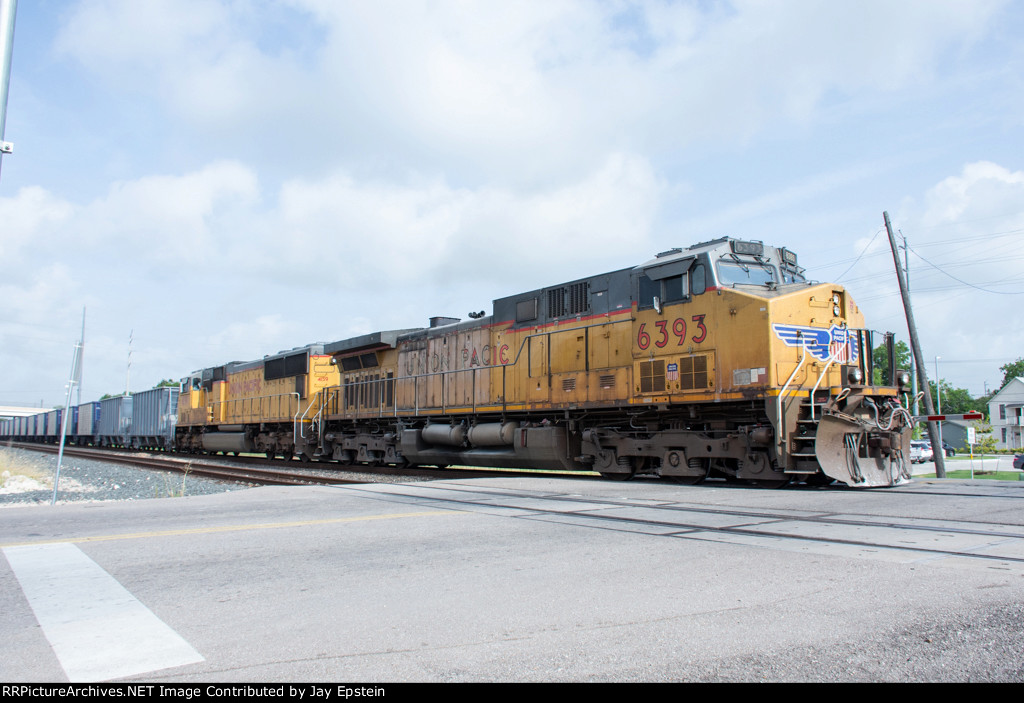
913 357
915 345
938 400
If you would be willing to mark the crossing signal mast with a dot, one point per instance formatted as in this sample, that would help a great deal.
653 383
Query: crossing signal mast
8 9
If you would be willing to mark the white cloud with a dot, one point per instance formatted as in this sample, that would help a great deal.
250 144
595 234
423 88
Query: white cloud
171 220
248 338
428 232
984 189
153 220
30 217
528 90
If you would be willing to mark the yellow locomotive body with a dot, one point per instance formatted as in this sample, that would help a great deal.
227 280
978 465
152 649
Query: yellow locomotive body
264 406
716 360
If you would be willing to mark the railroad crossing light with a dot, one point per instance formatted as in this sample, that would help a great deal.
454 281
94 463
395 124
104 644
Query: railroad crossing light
6 147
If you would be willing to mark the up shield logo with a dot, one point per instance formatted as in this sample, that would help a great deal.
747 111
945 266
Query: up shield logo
836 342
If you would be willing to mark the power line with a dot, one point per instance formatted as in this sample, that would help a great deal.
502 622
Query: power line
971 285
1013 278
958 240
863 251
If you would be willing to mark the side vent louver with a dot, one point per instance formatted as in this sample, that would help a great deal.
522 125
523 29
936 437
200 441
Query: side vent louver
572 300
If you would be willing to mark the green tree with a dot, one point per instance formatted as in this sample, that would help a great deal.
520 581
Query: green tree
168 383
955 401
880 357
1012 371
986 440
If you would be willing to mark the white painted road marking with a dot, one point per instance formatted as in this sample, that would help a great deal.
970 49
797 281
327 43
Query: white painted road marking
97 629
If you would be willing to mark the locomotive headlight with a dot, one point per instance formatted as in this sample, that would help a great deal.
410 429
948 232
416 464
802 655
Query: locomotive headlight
835 298
854 375
835 311
903 377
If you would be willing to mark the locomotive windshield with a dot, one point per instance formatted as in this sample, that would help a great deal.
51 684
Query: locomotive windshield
792 276
744 273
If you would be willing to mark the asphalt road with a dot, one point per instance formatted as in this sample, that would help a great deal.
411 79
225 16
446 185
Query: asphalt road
520 580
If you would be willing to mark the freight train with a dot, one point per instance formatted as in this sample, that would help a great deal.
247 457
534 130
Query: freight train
718 360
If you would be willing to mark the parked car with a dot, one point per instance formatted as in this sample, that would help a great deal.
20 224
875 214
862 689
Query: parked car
921 451
1018 461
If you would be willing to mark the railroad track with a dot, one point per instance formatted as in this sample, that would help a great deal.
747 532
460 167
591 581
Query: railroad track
273 472
223 472
995 545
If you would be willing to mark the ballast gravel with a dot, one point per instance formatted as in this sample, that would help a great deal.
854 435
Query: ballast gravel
26 478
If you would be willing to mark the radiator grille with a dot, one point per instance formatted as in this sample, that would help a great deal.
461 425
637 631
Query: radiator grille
652 376
693 372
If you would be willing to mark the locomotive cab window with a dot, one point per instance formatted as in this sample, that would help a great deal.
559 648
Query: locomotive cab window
648 290
698 280
674 289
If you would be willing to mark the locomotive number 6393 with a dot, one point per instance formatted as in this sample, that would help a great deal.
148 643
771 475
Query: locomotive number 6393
662 337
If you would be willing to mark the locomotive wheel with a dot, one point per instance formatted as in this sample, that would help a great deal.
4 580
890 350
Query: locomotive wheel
692 480
287 456
686 480
632 463
270 454
772 484
819 479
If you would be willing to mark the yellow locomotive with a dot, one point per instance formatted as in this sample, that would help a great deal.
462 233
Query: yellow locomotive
715 360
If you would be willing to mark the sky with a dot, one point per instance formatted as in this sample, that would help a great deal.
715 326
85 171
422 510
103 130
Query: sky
217 180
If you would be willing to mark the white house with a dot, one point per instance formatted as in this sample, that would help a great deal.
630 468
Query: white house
1006 413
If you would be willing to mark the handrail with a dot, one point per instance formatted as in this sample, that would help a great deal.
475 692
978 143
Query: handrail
778 400
832 358
401 383
250 415
297 429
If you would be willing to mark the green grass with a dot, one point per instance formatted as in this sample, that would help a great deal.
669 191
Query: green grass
966 473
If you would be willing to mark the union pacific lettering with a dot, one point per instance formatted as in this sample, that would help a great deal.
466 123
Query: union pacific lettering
471 356
248 387
484 357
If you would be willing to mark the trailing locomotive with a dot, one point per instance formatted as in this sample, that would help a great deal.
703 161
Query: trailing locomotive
719 359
